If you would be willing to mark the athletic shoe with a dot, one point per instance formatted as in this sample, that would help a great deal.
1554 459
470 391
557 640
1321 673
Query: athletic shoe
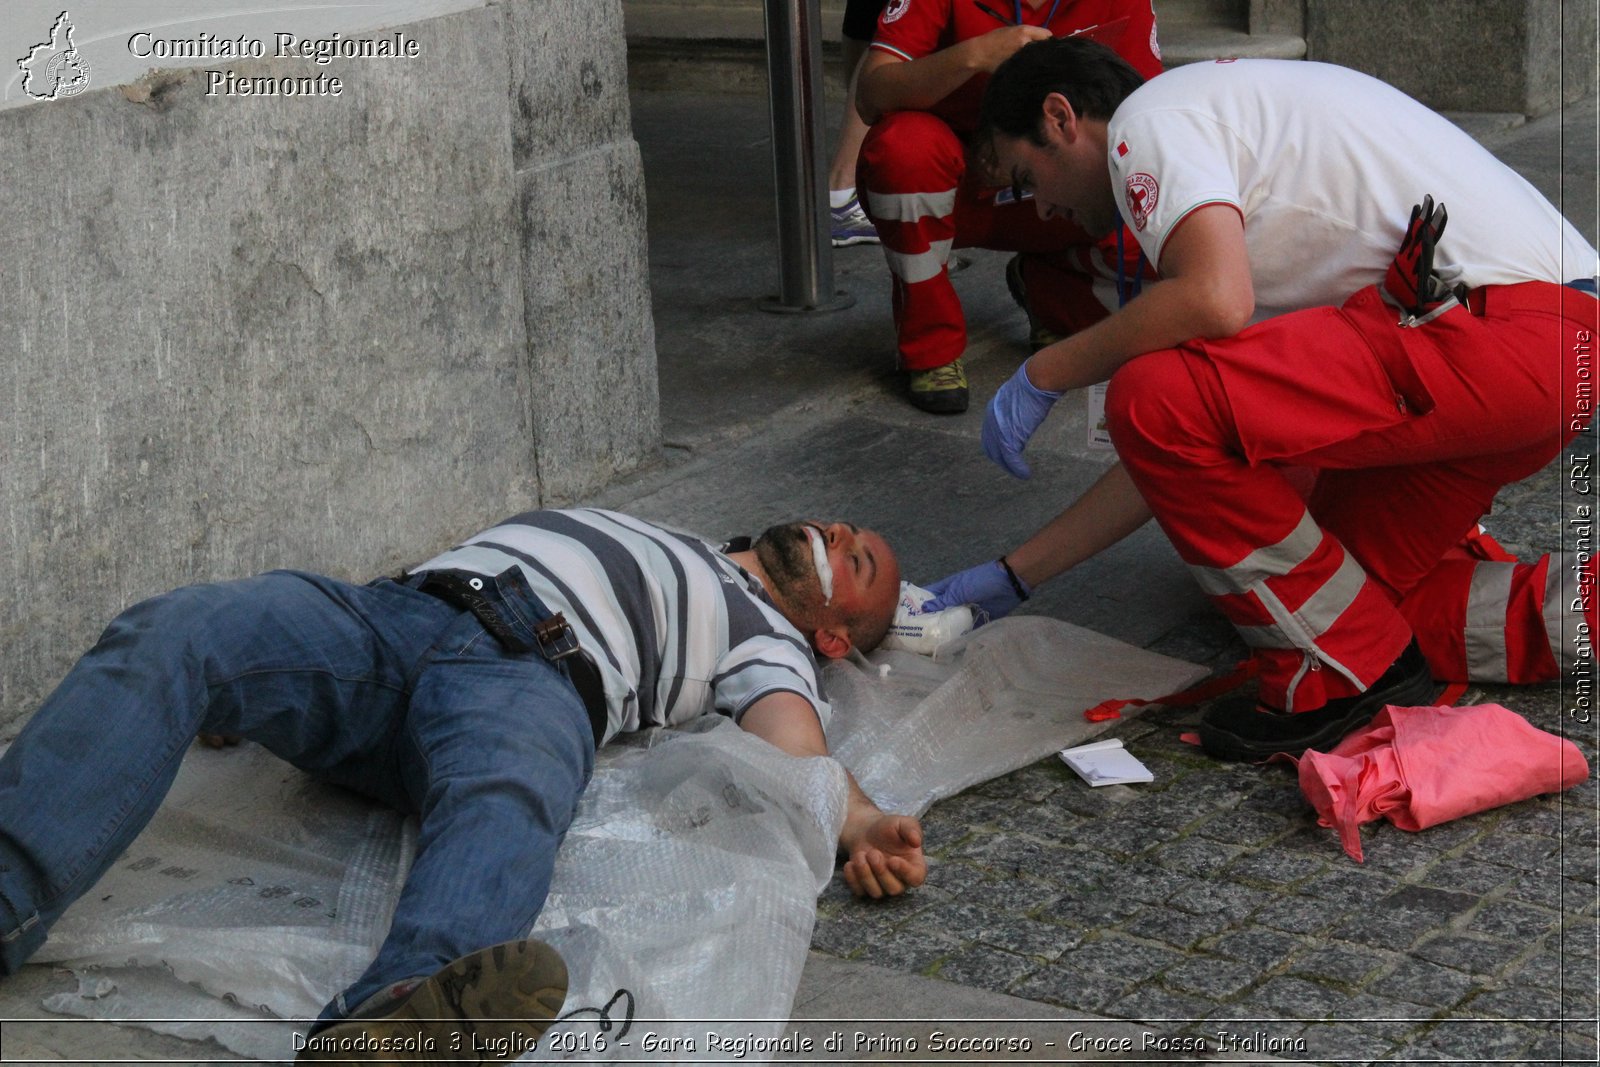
1039 335
487 1006
851 225
1241 729
942 390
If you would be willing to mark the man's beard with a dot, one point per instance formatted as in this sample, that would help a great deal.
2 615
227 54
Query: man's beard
785 554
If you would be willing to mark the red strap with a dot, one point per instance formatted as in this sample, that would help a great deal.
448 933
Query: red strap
1452 693
1206 690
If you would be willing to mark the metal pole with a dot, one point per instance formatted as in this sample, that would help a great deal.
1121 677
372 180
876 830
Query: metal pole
794 87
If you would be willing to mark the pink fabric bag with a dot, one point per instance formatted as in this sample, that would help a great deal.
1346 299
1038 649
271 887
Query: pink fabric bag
1418 767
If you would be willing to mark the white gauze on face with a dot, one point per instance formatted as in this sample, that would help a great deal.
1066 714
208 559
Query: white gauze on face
819 554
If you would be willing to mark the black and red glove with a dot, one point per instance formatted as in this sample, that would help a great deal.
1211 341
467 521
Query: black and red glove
1410 280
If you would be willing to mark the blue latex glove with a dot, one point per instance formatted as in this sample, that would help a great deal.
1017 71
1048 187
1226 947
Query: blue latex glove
1014 414
987 585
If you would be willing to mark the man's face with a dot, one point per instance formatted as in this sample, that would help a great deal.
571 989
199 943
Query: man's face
1068 176
862 568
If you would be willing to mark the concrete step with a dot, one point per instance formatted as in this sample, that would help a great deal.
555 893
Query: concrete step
720 45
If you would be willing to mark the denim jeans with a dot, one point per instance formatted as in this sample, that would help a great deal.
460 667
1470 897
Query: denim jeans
380 688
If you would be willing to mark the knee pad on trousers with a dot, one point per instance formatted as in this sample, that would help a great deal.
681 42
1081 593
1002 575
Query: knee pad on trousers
911 151
1151 404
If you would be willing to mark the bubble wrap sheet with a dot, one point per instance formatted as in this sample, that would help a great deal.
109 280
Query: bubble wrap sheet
684 893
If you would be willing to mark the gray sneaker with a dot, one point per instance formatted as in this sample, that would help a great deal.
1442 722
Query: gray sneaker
490 1005
851 225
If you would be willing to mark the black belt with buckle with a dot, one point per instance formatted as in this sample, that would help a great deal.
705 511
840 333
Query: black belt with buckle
555 639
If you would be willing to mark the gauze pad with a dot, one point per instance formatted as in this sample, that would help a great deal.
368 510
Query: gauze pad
819 553
916 631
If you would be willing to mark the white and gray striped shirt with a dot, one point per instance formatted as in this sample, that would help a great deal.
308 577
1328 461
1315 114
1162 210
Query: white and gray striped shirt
676 628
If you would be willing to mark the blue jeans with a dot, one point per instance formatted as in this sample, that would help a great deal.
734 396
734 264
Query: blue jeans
380 688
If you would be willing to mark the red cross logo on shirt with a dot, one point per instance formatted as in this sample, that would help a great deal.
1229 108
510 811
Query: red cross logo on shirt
1143 192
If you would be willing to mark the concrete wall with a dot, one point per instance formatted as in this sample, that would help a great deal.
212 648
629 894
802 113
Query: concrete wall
1520 56
324 333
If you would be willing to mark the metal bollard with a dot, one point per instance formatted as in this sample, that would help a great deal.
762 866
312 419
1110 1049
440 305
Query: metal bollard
794 89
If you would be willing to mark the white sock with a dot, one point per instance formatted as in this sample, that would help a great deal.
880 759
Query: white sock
840 197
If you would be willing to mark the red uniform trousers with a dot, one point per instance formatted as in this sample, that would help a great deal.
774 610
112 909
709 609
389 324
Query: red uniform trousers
1412 430
917 189
1488 617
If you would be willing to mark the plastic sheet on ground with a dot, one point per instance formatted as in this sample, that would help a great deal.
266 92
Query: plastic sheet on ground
684 893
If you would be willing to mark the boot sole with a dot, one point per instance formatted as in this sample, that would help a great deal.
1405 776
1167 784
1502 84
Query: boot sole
1223 745
493 1004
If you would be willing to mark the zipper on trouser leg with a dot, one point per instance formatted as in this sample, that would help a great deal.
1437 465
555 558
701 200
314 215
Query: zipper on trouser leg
1299 635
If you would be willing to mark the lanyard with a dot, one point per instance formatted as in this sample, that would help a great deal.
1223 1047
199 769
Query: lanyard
1016 6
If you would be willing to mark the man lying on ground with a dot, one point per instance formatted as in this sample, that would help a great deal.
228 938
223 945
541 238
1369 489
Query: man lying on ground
472 691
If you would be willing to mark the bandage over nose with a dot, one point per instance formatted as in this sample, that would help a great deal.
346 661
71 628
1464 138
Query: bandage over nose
819 554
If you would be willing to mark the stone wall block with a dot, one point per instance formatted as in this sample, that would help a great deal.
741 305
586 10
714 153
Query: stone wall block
257 332
591 343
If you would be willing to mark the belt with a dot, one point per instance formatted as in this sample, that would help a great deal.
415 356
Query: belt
553 636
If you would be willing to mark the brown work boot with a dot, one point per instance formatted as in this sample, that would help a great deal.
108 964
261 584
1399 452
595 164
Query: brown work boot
941 390
490 1005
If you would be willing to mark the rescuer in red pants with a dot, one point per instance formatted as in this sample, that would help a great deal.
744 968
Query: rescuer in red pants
926 192
1302 321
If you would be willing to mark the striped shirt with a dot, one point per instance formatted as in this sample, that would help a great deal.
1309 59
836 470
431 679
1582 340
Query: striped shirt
676 628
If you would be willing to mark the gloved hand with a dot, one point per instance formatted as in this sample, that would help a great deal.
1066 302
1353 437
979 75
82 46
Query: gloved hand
987 585
1014 414
1410 279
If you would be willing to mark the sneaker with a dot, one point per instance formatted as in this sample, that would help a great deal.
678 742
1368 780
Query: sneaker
1241 729
489 1005
851 225
941 390
1039 335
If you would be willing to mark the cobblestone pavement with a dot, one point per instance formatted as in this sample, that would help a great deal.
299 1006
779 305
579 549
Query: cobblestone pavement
1209 900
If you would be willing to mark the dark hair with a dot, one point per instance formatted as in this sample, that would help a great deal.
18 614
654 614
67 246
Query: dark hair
1093 78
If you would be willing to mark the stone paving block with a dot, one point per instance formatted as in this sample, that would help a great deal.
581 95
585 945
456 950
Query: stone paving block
1397 920
1277 793
1580 936
1521 851
1195 856
1213 977
1479 956
994 922
1169 1012
1348 965
1394 1020
1048 821
1555 893
1343 1042
1424 983
1469 1040
1387 850
986 968
1076 872
1266 950
1513 921
1466 875
1170 927
1096 973
1296 998
1567 1047
1514 1002
1033 783
1228 902
917 955
1123 837
1005 853
1550 968
1090 911
1275 868
1152 884
1296 914
1245 827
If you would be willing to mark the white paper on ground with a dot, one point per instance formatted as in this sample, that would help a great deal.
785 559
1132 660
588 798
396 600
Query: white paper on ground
1106 763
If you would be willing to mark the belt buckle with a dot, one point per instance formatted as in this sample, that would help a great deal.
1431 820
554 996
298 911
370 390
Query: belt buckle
555 637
